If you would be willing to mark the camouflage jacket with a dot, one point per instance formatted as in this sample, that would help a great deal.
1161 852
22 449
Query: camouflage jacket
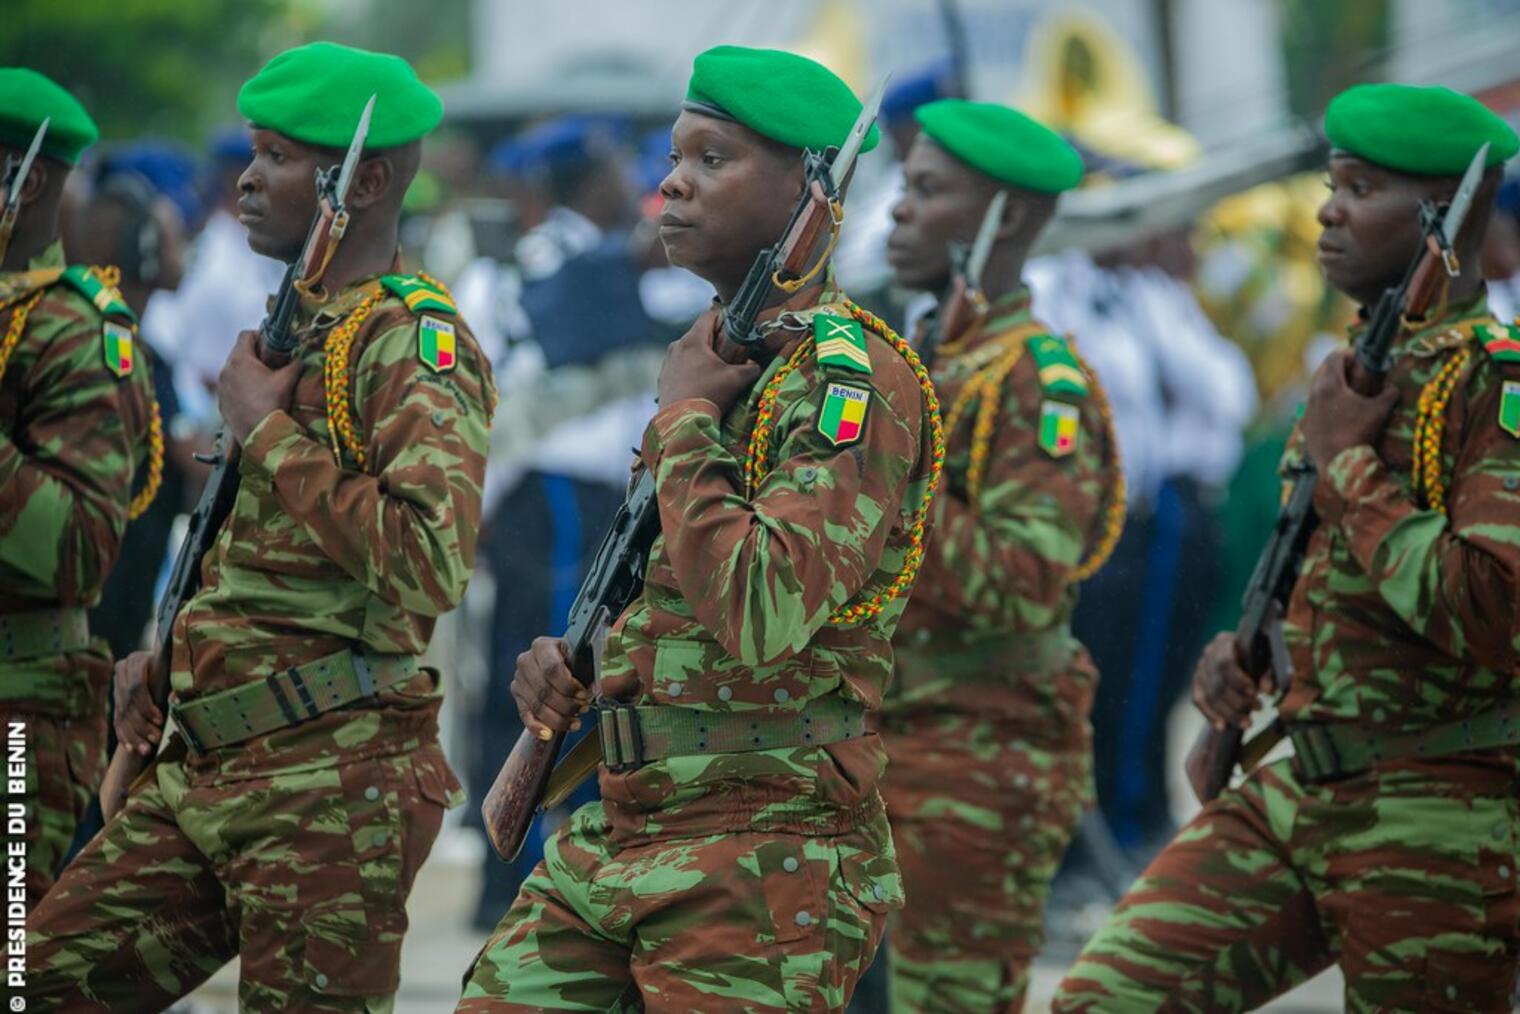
320 554
734 615
987 629
1402 616
75 409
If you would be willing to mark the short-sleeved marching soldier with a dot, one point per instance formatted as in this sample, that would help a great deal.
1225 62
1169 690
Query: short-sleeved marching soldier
986 726
80 451
1388 844
304 784
743 860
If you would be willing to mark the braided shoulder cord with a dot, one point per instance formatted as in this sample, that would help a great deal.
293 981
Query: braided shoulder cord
757 462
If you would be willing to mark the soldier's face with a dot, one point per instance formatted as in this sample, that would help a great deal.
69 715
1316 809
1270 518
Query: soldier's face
729 193
943 202
1371 225
279 193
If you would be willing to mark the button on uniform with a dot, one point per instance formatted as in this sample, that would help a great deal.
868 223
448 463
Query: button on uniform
790 864
372 793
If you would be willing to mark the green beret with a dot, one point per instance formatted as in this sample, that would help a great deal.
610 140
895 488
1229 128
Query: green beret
315 93
783 96
1426 131
1003 143
26 99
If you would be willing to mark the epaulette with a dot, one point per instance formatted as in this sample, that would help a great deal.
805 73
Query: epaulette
840 343
1060 374
1500 341
421 295
87 281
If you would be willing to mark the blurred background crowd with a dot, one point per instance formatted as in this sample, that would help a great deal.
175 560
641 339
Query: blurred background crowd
1185 268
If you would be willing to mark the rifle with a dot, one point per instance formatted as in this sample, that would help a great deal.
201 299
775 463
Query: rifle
276 345
963 299
16 171
1259 635
528 782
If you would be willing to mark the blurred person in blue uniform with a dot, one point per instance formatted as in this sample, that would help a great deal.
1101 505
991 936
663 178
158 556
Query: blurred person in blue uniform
580 356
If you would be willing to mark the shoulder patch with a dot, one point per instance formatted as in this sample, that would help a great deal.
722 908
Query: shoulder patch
1509 407
116 345
420 295
1061 375
1500 341
842 419
105 297
436 344
840 341
1060 423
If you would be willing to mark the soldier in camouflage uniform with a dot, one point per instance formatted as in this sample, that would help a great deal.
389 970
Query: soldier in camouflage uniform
304 784
77 427
1388 843
987 723
756 873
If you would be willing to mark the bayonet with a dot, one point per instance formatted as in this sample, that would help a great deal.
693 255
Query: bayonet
15 178
839 169
1456 212
986 235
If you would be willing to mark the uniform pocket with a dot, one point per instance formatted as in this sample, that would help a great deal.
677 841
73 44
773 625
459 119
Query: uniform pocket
353 953
872 879
793 872
1468 982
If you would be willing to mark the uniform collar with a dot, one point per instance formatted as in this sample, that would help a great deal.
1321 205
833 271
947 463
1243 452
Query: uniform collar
1012 309
51 257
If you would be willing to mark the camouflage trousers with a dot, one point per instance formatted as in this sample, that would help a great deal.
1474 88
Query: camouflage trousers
65 756
742 921
304 872
980 819
1405 877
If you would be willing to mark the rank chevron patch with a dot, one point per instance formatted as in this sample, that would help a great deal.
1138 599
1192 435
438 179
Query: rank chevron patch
839 341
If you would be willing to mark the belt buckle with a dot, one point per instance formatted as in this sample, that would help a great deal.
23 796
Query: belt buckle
177 712
1314 752
622 747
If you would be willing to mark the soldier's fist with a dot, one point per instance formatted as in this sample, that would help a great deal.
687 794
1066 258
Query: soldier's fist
1222 689
693 368
1337 417
549 697
138 721
247 390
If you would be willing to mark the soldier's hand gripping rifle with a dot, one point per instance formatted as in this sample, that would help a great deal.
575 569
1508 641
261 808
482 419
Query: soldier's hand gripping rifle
16 171
276 345
963 301
1259 635
528 783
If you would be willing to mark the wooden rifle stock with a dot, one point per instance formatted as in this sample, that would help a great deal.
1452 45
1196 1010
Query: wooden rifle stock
798 243
615 579
518 791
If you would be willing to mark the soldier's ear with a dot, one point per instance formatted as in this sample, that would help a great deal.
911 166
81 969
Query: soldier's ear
373 179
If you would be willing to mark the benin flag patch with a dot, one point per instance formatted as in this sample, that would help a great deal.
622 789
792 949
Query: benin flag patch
1058 428
435 344
116 341
843 418
1509 408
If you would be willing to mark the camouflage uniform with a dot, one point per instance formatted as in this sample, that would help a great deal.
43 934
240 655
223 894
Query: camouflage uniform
1402 619
73 435
757 880
987 724
297 848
